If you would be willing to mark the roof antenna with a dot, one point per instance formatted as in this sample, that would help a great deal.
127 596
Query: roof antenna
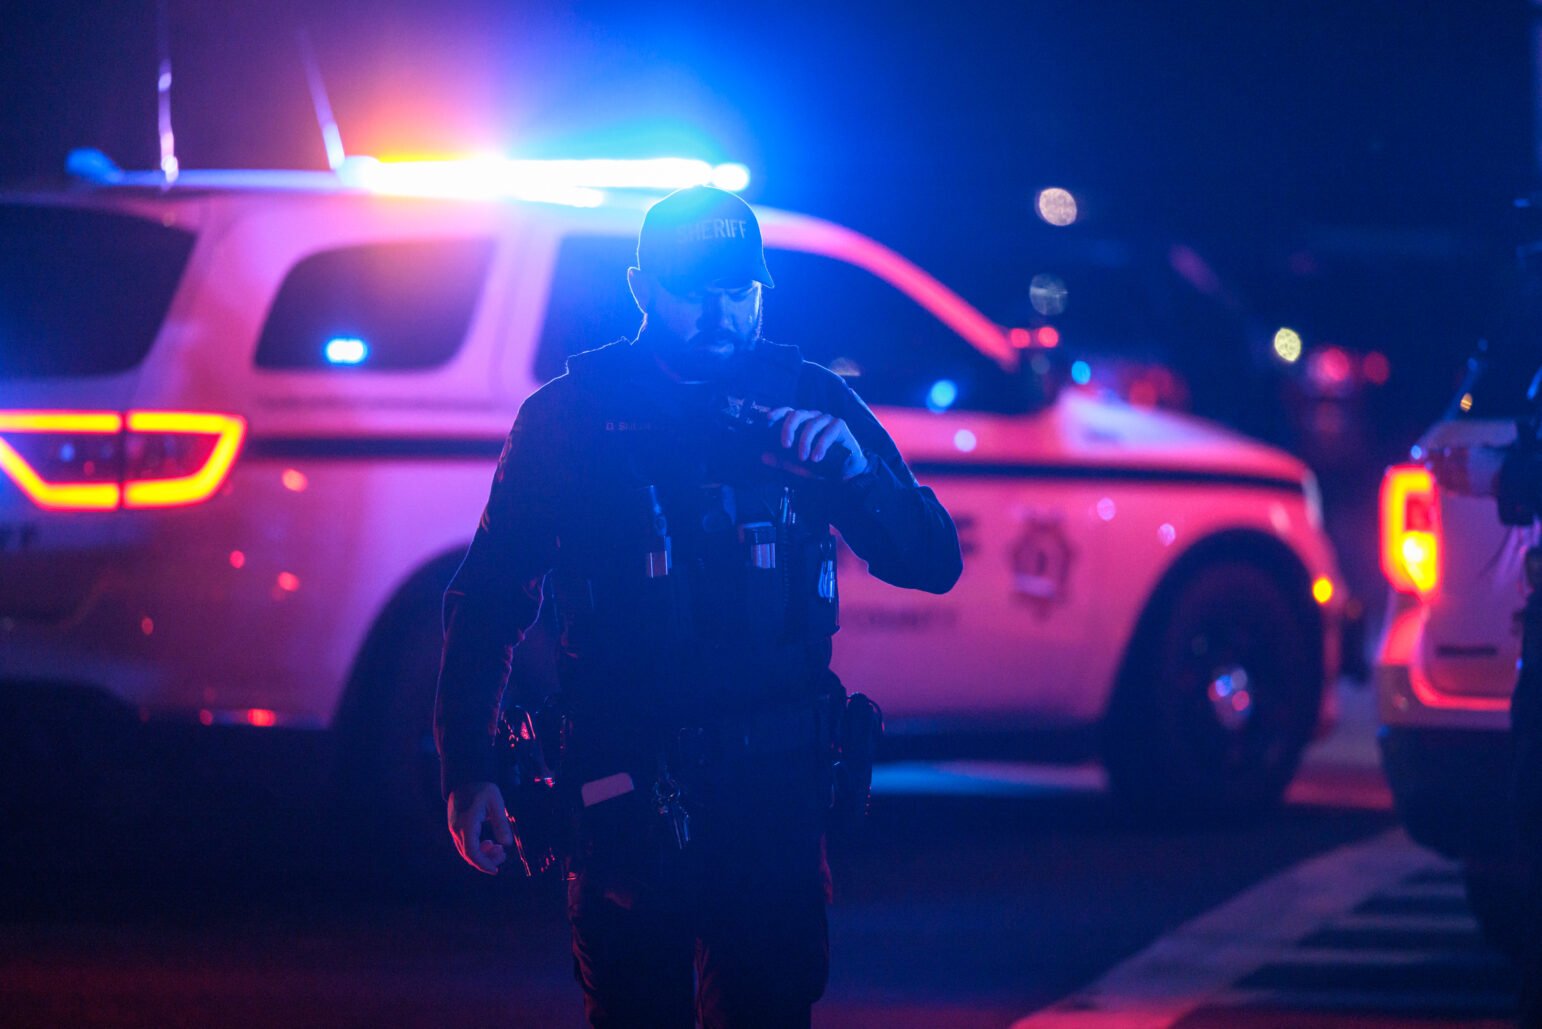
330 137
163 94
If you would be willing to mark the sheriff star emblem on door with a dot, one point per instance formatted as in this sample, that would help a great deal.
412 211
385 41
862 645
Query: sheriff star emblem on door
1041 564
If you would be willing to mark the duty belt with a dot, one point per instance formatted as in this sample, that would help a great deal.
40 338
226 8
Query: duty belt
769 731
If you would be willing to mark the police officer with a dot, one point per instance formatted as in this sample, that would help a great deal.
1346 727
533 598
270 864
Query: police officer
673 496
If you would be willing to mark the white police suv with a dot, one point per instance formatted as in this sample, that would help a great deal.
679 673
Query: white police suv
1446 663
248 421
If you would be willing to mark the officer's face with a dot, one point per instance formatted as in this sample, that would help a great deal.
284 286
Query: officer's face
703 327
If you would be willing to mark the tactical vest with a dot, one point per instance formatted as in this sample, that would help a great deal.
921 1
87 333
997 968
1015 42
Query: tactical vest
694 579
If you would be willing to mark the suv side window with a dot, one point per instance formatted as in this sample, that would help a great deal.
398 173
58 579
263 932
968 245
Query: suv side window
589 303
382 306
891 350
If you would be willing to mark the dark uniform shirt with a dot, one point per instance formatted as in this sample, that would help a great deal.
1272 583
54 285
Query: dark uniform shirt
567 493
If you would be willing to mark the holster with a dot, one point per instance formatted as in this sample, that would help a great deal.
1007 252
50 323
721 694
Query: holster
533 799
856 727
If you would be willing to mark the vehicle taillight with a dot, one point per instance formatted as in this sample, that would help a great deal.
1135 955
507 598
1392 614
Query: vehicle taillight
104 460
1410 529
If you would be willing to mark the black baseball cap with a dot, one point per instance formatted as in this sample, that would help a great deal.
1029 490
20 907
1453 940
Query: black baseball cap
702 236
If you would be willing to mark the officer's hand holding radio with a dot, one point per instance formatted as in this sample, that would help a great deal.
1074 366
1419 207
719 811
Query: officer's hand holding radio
471 807
815 433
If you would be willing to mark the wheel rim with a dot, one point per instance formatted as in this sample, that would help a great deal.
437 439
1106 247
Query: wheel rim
1235 700
1231 697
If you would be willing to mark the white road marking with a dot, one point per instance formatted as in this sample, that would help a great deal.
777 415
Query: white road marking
1426 891
1353 1000
1409 923
1201 959
1341 957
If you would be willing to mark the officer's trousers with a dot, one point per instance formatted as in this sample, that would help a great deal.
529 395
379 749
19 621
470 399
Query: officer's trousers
731 929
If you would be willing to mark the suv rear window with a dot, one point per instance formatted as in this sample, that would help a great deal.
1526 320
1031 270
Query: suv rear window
381 306
82 292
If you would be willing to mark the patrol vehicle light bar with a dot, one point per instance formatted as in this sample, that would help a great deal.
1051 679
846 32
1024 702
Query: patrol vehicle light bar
104 460
578 183
575 183
1410 529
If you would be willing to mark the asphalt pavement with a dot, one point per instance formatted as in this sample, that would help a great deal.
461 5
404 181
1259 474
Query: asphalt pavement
982 895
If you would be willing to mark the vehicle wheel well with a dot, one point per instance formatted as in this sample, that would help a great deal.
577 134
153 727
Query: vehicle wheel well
1241 545
421 592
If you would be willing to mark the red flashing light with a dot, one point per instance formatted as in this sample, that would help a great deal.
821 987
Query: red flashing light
1021 338
103 460
1143 393
261 717
1376 368
1410 529
1049 337
1330 368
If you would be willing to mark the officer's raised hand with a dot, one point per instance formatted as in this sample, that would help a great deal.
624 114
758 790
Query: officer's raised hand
470 808
810 435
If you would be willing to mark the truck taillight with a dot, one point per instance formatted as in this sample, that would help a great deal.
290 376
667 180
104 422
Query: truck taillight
104 460
1410 529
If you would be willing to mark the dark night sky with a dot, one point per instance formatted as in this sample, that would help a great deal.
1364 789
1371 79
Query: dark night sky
1241 126
1192 114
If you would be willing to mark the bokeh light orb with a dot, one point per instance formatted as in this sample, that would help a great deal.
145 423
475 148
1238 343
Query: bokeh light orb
1057 206
1287 345
1047 293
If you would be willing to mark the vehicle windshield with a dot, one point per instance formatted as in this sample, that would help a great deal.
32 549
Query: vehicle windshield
1500 391
82 292
1515 345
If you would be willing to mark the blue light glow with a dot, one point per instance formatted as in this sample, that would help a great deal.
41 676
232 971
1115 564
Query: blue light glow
943 393
346 350
1081 373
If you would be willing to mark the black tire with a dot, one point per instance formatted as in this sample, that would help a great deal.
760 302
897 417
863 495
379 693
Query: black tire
390 759
390 763
1186 735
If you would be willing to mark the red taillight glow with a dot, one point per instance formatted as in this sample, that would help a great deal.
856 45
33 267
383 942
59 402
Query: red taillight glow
103 460
1410 529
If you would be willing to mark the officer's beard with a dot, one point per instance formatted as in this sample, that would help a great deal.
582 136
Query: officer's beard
706 356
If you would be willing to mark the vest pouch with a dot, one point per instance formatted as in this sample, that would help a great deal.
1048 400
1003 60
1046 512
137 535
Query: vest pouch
764 572
652 599
666 604
817 593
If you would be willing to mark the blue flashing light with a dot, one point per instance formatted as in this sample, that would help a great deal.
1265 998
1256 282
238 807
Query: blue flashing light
92 165
346 350
1081 373
942 396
